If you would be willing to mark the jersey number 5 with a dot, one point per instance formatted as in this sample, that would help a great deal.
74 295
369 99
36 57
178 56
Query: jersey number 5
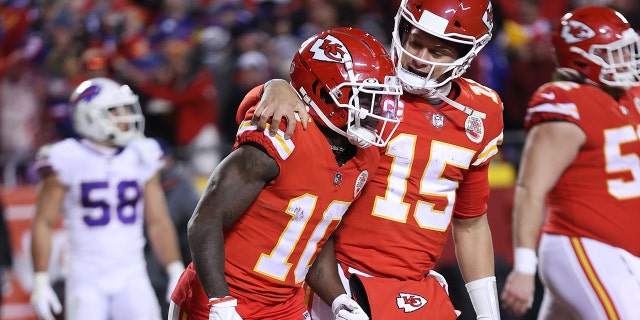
618 162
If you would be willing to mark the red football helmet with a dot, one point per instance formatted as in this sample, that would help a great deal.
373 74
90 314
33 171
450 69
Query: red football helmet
466 22
348 79
598 43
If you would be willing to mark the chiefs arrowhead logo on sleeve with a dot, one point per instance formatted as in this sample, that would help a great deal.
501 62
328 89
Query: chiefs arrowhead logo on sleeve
576 31
329 49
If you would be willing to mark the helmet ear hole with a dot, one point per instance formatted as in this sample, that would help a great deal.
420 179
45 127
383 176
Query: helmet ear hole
463 49
325 96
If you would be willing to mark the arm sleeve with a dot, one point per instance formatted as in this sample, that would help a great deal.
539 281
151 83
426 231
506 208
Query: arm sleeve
473 193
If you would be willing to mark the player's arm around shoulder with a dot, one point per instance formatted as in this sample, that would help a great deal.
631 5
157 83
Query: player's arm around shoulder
268 104
233 186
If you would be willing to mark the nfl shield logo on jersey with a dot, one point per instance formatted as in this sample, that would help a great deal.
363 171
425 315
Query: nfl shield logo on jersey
437 120
337 179
410 302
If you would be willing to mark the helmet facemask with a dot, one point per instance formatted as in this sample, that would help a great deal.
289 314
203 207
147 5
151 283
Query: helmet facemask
434 25
348 79
122 123
620 60
596 45
372 109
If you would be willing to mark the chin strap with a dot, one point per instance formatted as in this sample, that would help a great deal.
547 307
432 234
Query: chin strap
467 110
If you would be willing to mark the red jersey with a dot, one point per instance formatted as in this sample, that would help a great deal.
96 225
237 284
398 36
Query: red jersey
196 105
434 168
598 195
271 247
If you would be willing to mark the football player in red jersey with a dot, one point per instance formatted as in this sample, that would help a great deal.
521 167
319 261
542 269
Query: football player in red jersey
582 156
259 225
432 175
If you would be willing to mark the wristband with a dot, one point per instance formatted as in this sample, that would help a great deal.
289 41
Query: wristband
484 298
227 301
174 268
525 260
338 301
271 81
264 87
41 279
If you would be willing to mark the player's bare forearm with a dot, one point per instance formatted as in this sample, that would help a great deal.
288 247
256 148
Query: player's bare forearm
49 198
474 247
323 275
544 159
160 229
164 241
231 189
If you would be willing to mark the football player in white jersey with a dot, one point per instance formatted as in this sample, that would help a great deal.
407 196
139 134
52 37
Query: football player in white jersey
106 187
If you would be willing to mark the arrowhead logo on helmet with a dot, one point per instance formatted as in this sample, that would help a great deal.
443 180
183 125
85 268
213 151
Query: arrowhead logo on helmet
576 31
329 49
356 93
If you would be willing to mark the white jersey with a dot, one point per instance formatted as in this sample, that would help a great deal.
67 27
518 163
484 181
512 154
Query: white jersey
103 208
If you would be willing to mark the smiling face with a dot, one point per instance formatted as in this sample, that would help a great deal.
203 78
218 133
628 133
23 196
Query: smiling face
428 56
434 42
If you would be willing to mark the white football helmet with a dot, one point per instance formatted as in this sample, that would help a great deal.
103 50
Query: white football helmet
465 22
106 111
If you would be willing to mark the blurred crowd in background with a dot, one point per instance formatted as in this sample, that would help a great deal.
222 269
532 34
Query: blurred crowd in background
192 61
